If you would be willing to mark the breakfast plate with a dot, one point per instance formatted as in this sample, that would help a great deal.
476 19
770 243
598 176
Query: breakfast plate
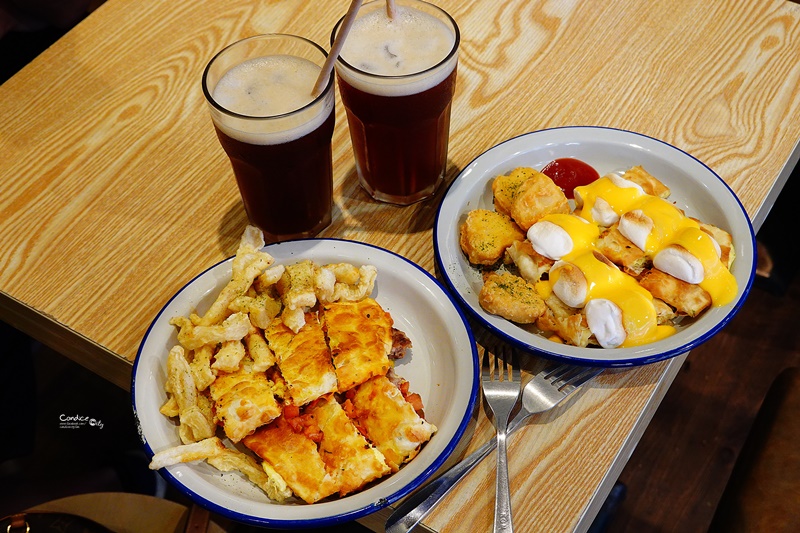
441 365
695 188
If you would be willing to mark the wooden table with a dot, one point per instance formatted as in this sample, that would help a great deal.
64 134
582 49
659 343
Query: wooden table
114 190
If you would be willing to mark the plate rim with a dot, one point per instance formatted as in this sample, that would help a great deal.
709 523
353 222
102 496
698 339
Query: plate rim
348 515
632 361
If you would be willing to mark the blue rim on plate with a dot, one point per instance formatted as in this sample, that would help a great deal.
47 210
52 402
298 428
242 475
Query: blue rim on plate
695 188
443 368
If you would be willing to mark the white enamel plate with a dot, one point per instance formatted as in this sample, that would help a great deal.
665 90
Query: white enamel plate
442 366
695 188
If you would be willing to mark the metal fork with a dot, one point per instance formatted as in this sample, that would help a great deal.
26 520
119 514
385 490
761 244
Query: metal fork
501 389
545 390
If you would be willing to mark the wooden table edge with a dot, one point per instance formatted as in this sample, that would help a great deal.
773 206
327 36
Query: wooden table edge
66 341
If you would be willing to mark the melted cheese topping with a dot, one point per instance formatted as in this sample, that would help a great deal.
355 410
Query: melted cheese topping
718 281
638 322
558 235
604 200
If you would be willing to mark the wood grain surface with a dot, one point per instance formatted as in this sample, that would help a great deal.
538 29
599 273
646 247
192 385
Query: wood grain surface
114 191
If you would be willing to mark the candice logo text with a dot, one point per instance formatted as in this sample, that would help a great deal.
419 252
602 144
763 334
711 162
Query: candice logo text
77 421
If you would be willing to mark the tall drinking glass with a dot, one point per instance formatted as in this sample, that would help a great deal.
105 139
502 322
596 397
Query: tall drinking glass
397 78
276 135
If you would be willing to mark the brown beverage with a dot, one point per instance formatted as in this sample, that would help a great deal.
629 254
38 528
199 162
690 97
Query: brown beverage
397 80
278 137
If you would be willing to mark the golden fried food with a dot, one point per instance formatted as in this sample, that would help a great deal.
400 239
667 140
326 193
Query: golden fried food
389 421
259 368
622 252
511 297
485 235
566 322
505 188
537 197
685 298
725 241
360 337
296 457
244 400
649 183
346 452
304 359
531 264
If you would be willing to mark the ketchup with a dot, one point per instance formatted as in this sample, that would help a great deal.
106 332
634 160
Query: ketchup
569 173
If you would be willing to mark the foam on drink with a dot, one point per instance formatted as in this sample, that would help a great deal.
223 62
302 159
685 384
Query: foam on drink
410 43
269 86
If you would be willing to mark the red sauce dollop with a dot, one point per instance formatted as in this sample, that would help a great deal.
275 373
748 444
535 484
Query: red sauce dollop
569 173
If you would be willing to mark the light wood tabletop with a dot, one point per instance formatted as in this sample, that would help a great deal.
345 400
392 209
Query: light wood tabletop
114 191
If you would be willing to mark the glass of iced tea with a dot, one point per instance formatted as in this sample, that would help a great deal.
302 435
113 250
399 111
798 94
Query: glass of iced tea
276 135
397 77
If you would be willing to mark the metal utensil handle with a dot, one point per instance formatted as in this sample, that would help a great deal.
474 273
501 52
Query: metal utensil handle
418 505
502 501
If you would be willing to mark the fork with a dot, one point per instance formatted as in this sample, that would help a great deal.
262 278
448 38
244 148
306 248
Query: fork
545 390
501 389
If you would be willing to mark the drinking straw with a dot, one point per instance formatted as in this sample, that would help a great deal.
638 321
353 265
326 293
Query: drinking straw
327 67
391 8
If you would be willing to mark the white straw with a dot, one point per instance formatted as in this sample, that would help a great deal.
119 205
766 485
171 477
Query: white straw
327 68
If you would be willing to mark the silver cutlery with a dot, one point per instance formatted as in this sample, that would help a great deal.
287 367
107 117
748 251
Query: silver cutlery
501 390
542 392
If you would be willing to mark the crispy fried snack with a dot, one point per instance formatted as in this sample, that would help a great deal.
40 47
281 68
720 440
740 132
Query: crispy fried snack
389 421
192 337
264 476
511 297
537 197
649 183
195 416
566 322
485 235
685 298
186 453
360 338
260 353
531 264
622 252
506 187
244 400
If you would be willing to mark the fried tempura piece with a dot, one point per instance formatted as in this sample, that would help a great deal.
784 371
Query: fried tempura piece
649 183
566 322
228 356
537 197
485 235
344 450
201 367
511 297
244 400
687 299
296 286
192 337
531 264
725 241
304 359
261 308
389 421
360 338
505 188
195 421
186 453
296 458
263 476
245 270
621 251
